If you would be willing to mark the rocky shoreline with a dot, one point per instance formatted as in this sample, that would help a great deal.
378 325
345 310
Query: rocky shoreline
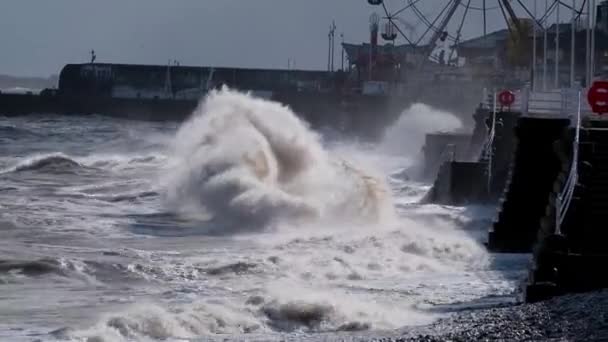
577 317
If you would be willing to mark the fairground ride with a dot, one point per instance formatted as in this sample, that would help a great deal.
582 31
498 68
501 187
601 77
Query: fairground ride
439 31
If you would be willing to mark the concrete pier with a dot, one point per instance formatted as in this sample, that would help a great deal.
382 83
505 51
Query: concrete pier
466 179
459 183
440 147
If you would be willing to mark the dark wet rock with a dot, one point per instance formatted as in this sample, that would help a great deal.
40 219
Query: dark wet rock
348 249
331 276
374 266
61 333
290 315
251 328
274 259
255 300
355 276
31 267
236 268
96 339
413 248
354 326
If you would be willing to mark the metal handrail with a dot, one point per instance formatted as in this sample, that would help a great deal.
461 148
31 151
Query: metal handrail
487 152
551 102
564 198
448 154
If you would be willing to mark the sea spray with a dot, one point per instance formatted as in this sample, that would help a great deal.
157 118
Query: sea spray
254 160
406 137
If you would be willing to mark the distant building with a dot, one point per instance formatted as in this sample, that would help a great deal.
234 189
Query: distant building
493 52
489 50
182 82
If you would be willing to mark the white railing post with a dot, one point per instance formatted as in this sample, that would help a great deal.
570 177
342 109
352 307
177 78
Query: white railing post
563 107
525 100
564 198
558 215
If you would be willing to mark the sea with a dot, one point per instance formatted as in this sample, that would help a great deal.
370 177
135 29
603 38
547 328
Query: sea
240 224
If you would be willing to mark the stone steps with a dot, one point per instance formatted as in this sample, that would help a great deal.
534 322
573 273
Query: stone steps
534 169
578 262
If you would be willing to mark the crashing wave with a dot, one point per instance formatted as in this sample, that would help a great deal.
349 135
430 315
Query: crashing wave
255 161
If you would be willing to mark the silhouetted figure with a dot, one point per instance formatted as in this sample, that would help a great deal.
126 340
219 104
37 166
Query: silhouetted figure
93 56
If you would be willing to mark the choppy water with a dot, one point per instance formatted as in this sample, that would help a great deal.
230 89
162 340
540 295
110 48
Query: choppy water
241 223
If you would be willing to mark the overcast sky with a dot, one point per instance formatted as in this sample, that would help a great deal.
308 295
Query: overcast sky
37 37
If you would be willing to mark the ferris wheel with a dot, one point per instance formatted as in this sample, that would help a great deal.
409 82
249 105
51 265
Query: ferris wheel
437 28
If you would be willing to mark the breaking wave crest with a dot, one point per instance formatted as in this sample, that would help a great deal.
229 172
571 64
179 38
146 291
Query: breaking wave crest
18 270
252 159
55 162
61 163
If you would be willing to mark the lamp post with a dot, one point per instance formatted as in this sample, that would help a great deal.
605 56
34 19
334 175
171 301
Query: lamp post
329 52
534 27
333 44
545 52
374 19
342 58
556 80
592 52
573 45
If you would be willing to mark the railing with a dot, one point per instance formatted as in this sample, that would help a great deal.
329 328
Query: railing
448 154
519 105
488 147
558 102
564 198
561 102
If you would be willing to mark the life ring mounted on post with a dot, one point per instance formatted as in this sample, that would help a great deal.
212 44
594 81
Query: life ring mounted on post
598 97
506 98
